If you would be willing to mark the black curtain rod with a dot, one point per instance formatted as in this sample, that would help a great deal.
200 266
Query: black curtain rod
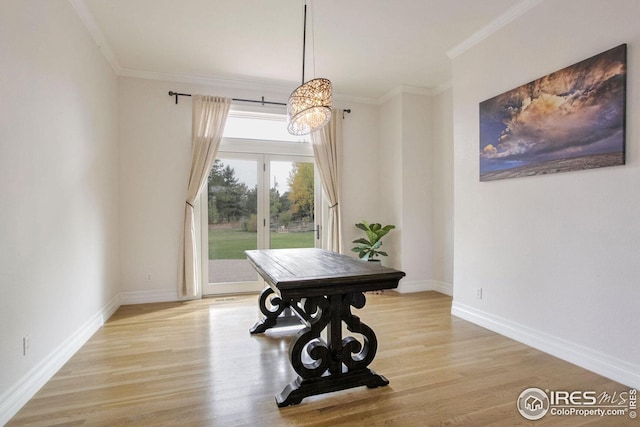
262 101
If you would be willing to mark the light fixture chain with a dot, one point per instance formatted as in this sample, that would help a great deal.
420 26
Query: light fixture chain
304 39
313 38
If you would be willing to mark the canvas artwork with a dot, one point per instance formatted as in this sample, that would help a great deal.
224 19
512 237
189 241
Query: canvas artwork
572 119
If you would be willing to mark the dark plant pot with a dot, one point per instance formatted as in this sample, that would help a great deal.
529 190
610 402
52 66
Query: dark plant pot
379 262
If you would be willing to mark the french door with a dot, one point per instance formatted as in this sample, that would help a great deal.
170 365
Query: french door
255 201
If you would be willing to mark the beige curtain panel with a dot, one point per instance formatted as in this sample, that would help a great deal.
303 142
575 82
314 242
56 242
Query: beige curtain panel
209 115
327 150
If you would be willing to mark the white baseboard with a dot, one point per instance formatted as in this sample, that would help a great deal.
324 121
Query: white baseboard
144 297
442 287
603 364
406 287
20 393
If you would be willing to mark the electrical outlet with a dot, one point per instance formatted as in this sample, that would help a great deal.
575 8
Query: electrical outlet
148 277
26 344
479 293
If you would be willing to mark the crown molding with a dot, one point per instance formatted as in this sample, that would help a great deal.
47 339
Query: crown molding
415 90
243 83
501 21
96 33
346 99
442 87
274 86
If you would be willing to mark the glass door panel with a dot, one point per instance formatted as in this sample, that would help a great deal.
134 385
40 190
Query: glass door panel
232 197
254 201
291 204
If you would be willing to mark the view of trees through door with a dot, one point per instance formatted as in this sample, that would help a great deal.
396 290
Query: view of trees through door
292 211
256 201
232 215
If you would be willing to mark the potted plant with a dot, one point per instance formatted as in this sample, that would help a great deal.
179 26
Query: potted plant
369 248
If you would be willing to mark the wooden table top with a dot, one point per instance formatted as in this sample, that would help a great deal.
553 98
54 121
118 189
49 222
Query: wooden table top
310 272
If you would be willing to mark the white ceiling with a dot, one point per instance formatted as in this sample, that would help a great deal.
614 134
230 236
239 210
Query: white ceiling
367 48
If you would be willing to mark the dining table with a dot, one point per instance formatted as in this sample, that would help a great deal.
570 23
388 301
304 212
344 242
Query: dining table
318 288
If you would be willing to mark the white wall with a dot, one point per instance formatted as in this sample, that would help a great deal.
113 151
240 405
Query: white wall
155 156
417 171
390 179
407 190
442 188
58 187
360 197
556 255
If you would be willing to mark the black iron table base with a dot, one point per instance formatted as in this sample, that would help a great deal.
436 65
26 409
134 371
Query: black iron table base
337 363
323 367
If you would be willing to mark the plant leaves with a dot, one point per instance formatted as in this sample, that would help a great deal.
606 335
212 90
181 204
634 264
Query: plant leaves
362 226
369 248
363 241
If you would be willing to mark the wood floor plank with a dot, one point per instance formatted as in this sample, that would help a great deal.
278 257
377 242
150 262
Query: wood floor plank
195 364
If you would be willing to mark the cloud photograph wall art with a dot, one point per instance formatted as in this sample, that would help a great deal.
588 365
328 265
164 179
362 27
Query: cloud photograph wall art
572 119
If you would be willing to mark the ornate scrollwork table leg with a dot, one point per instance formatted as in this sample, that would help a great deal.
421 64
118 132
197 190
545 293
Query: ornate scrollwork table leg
271 305
337 365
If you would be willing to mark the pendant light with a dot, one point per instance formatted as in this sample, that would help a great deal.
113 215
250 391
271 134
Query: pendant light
309 106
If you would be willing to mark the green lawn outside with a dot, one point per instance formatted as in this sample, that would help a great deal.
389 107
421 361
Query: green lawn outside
231 244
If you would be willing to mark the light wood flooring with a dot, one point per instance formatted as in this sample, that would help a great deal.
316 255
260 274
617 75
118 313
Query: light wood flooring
195 364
